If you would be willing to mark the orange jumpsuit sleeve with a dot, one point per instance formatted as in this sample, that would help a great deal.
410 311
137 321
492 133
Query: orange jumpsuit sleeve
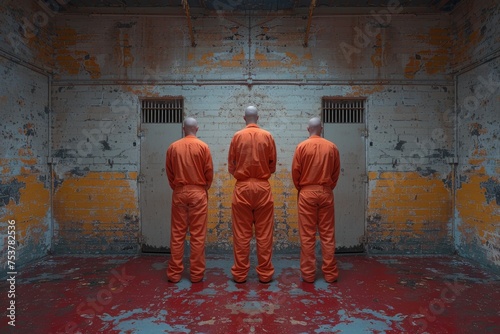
209 168
336 166
296 168
272 155
169 167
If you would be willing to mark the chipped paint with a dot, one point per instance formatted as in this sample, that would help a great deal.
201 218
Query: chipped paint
98 207
477 207
432 61
409 212
71 60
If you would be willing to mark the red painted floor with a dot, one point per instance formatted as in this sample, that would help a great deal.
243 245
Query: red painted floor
119 294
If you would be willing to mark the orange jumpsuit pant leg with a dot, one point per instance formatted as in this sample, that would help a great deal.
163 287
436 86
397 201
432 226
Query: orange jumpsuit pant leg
308 217
242 226
198 218
189 211
264 227
326 228
178 232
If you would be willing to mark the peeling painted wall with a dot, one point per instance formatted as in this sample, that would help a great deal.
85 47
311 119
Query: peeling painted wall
25 59
478 194
105 64
362 47
284 111
477 211
24 173
95 145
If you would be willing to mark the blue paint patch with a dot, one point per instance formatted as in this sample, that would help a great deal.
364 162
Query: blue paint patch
207 292
160 265
308 302
141 321
219 264
273 287
297 292
252 293
352 324
231 286
345 265
183 284
196 302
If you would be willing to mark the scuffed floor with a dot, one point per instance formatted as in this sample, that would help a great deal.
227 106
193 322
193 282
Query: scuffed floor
119 294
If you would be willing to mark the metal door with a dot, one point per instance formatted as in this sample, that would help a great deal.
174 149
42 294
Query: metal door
348 132
157 133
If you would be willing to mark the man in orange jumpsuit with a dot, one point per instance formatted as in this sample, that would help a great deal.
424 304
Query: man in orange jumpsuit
252 160
190 173
315 171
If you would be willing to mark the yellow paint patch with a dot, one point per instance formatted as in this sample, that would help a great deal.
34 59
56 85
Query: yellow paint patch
235 61
141 91
31 212
479 219
435 60
360 91
409 201
68 63
27 157
288 60
92 67
95 199
70 60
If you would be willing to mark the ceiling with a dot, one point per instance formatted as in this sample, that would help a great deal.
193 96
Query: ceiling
332 6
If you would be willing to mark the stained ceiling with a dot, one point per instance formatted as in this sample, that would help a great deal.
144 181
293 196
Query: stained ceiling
332 6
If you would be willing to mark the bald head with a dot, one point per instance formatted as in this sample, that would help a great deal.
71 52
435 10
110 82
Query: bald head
251 115
190 126
314 126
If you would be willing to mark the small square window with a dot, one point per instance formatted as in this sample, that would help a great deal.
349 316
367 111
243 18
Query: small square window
338 110
168 110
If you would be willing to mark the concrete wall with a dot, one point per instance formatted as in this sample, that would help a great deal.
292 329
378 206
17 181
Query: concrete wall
106 63
24 125
478 123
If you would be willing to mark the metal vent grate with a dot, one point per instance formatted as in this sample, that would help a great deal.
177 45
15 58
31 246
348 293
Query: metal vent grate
162 111
343 110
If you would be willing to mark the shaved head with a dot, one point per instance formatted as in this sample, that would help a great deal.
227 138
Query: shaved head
251 114
314 126
190 126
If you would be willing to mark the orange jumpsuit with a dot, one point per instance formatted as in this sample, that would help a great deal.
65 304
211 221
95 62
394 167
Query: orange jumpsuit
315 171
190 173
252 160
